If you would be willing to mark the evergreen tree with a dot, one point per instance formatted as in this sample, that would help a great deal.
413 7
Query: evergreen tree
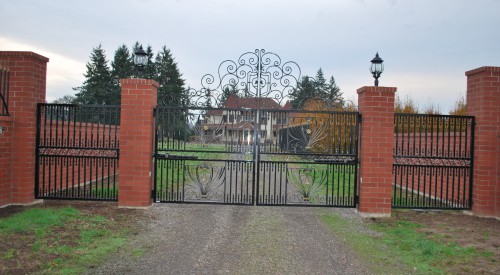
320 84
98 85
310 88
171 90
228 90
305 89
149 71
333 92
121 67
67 99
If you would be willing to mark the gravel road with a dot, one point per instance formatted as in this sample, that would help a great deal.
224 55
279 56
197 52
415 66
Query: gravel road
221 239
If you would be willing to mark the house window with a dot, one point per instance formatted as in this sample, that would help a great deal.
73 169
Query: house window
247 116
231 118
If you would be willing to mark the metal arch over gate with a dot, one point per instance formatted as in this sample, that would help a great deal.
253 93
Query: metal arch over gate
253 148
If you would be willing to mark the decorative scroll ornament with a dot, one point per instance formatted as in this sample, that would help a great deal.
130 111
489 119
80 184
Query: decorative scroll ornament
205 180
255 74
206 130
304 137
307 182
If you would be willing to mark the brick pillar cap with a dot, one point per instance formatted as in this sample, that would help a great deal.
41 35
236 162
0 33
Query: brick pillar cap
129 81
376 89
27 54
482 69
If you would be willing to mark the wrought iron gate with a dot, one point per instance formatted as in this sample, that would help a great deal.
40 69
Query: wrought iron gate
77 152
253 148
433 158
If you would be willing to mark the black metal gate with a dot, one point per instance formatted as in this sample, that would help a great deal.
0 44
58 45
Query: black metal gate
255 149
77 152
433 160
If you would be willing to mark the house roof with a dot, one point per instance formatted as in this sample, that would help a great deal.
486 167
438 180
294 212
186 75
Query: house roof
235 102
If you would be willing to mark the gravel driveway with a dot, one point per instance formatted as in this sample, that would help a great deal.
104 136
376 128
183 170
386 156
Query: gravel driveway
221 239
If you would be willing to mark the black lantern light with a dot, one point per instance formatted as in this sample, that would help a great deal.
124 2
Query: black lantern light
377 67
140 58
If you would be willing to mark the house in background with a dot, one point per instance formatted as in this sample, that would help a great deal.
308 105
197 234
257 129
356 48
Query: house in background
235 122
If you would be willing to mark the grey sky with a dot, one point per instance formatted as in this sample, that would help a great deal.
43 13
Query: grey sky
427 45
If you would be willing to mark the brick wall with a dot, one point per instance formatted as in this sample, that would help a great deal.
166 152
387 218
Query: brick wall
28 72
5 159
483 102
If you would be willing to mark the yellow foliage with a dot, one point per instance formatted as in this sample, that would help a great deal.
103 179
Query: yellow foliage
460 107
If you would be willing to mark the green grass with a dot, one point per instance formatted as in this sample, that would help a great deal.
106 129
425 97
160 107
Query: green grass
369 248
105 192
9 254
65 241
399 248
37 219
138 252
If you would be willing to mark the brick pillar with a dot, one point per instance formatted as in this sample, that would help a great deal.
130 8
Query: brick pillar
28 74
6 134
483 102
376 105
138 99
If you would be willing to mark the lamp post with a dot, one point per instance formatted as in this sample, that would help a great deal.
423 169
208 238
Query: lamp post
377 68
140 59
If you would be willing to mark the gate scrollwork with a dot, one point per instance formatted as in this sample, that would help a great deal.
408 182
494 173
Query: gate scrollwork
255 74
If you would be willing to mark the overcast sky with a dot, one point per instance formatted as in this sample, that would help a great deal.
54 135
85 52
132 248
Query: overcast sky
427 45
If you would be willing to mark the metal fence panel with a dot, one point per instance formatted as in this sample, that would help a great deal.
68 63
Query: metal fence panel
77 152
433 157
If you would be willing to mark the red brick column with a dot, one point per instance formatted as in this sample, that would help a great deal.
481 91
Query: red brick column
6 134
483 102
376 105
138 99
28 74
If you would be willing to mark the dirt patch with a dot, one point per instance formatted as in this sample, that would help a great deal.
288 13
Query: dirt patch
465 230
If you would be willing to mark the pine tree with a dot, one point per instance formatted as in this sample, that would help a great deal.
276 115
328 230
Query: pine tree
318 89
320 84
228 90
150 70
98 85
333 92
121 67
171 90
305 89
67 99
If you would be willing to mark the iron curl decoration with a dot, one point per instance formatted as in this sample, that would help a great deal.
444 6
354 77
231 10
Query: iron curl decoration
254 74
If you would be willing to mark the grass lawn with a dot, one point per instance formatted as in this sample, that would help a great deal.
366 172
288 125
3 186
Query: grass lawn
57 240
410 243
